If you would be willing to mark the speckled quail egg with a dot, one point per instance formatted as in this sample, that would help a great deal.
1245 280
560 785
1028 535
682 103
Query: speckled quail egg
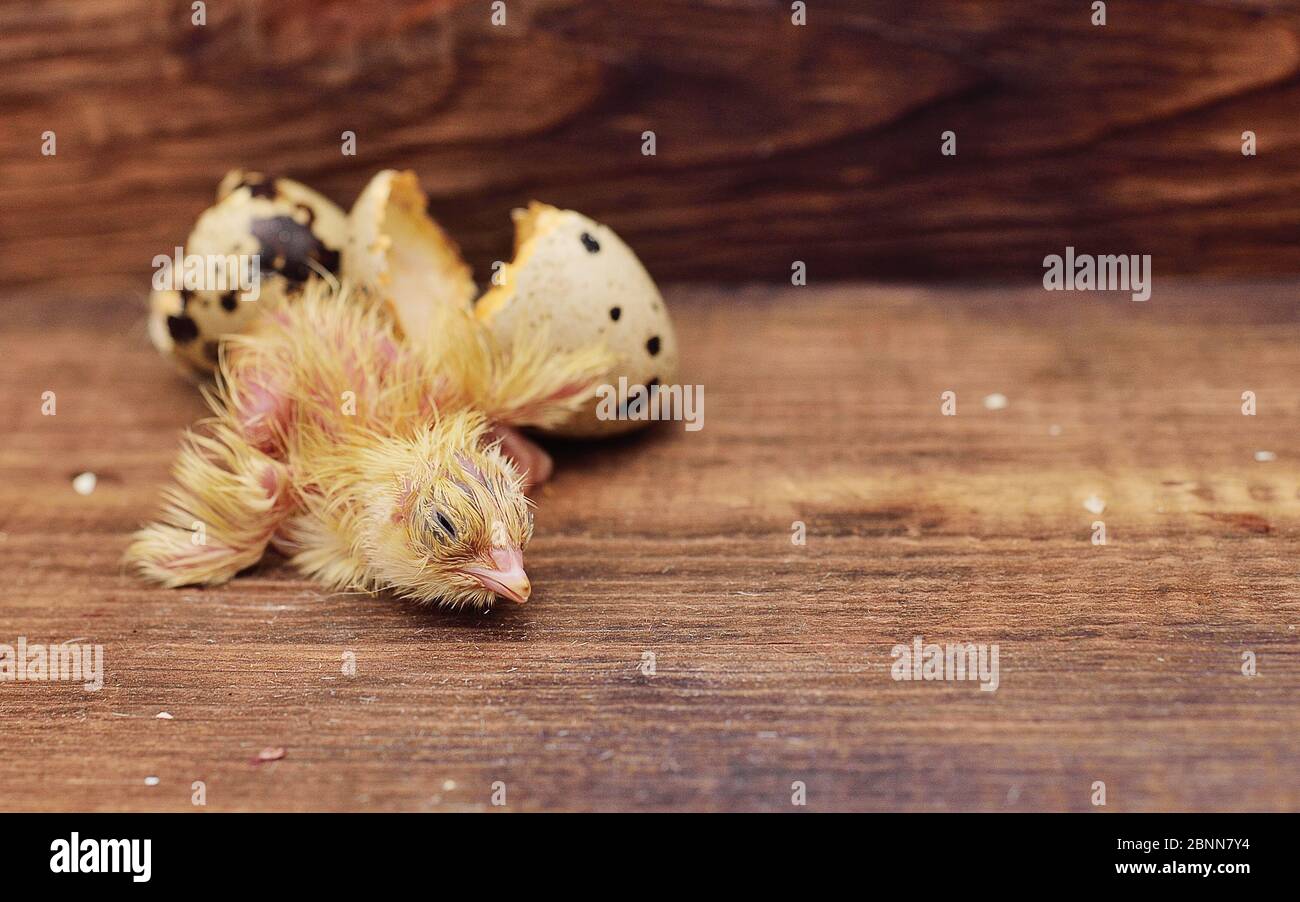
577 280
295 233
396 249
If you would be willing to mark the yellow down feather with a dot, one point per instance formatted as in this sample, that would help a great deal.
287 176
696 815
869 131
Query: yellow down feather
364 455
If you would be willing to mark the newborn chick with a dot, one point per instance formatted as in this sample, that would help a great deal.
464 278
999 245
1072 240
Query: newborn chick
371 459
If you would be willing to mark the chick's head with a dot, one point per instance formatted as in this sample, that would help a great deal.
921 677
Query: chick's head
454 524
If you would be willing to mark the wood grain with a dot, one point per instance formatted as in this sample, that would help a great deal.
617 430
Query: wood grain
1119 663
775 142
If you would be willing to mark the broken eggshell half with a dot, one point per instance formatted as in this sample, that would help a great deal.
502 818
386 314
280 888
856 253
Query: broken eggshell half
402 255
294 232
571 277
578 281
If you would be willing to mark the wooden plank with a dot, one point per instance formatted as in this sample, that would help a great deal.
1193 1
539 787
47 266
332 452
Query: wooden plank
1119 663
775 142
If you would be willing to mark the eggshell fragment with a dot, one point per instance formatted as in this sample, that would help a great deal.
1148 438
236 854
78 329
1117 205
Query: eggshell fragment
169 331
396 249
577 280
296 234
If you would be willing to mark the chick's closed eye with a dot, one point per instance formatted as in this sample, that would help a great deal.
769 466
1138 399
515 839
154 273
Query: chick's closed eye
444 524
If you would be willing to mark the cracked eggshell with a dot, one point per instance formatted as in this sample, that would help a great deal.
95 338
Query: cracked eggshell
296 234
579 281
396 249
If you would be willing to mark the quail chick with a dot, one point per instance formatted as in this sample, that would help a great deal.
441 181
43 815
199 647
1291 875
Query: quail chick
372 459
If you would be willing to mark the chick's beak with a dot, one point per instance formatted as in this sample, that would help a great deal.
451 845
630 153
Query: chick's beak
506 576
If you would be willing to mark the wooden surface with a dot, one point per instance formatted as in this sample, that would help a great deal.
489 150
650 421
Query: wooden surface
1119 663
775 142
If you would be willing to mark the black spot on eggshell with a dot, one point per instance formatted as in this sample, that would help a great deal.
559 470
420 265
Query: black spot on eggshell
653 346
591 244
182 329
291 246
615 313
229 302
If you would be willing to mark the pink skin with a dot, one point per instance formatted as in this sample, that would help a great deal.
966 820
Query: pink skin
263 408
533 463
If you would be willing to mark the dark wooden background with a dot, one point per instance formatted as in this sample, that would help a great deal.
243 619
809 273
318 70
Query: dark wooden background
775 142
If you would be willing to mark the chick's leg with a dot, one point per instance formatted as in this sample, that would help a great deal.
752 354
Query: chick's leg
529 458
226 503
